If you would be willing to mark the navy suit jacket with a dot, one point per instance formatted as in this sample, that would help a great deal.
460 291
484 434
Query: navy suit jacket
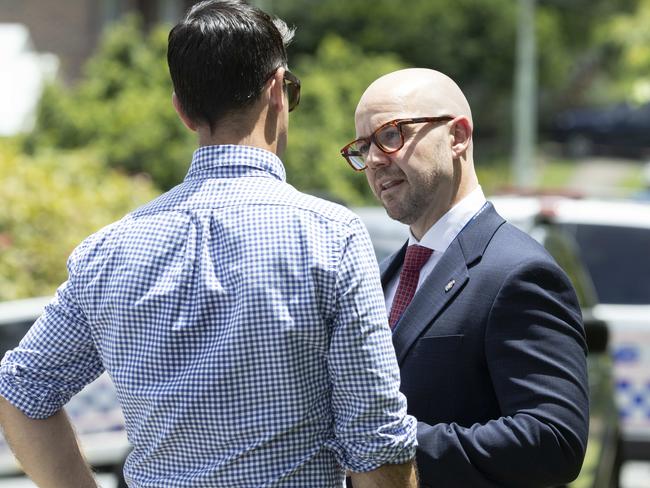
492 355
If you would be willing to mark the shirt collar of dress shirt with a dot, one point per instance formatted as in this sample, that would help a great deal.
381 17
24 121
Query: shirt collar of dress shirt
232 161
445 230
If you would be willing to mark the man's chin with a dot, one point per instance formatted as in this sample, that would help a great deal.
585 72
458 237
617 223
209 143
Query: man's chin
396 213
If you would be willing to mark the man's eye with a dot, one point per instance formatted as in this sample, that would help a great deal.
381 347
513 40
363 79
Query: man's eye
389 136
363 147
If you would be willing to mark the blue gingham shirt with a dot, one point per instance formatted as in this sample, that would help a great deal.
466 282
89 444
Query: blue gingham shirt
244 328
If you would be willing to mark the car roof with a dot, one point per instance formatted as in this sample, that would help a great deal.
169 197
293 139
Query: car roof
595 211
620 213
22 310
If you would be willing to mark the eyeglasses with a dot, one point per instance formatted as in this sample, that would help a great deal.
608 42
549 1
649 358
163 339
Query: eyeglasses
292 83
388 137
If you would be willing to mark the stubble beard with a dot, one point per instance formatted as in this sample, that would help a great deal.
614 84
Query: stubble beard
414 203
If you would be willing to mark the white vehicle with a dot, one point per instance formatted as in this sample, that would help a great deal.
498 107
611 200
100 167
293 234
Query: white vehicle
94 412
613 237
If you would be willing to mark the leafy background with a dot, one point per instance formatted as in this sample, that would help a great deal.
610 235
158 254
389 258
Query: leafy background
112 141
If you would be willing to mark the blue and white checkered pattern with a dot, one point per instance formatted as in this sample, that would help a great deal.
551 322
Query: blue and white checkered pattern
243 325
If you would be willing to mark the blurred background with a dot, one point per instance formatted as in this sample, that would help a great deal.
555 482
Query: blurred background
560 92
87 130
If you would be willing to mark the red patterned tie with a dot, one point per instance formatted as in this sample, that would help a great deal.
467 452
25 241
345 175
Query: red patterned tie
415 258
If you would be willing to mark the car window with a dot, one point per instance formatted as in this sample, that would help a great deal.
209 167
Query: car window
566 254
617 259
11 333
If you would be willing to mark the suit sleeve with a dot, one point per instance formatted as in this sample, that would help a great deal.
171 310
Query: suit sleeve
536 356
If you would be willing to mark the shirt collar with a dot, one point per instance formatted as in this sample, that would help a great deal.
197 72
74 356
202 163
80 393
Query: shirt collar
445 230
232 161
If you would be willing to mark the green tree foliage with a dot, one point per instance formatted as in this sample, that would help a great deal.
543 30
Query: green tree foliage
630 37
575 56
473 41
333 79
50 203
121 108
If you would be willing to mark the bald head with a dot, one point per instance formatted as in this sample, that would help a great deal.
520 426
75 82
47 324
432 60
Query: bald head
418 91
433 168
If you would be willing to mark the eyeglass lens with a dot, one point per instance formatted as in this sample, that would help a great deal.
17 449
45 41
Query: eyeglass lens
388 138
293 89
293 95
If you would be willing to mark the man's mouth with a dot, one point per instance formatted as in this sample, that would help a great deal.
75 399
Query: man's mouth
388 184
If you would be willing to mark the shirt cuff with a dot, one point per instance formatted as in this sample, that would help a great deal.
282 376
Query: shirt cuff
35 400
391 445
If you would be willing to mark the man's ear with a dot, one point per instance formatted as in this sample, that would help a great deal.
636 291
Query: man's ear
181 113
276 90
461 135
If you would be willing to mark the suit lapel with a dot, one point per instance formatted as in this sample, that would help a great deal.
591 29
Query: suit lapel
445 282
436 291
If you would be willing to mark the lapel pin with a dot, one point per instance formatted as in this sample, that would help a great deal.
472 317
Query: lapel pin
450 285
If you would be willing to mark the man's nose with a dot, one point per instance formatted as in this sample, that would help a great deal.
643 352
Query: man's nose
376 158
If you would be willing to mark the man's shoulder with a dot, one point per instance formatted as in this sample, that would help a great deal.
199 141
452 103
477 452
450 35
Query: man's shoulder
489 237
512 245
98 243
513 254
95 243
323 208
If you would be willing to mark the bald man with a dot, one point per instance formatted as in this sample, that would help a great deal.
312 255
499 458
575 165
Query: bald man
486 326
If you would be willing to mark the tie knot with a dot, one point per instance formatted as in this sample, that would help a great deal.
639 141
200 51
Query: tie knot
415 257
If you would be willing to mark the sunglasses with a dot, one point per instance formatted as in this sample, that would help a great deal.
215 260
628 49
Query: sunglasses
292 84
388 137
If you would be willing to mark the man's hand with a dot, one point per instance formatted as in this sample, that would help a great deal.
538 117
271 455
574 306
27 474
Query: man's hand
387 476
46 449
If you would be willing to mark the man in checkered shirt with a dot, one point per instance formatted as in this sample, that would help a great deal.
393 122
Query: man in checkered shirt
241 321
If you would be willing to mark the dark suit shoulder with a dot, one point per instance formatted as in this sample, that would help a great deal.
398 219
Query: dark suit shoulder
510 245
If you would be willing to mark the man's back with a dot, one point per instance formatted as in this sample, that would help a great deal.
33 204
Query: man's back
242 322
223 303
230 314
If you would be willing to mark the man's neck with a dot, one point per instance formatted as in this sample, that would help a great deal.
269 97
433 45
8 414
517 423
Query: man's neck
232 133
209 140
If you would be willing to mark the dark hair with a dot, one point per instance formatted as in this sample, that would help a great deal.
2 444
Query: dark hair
221 55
